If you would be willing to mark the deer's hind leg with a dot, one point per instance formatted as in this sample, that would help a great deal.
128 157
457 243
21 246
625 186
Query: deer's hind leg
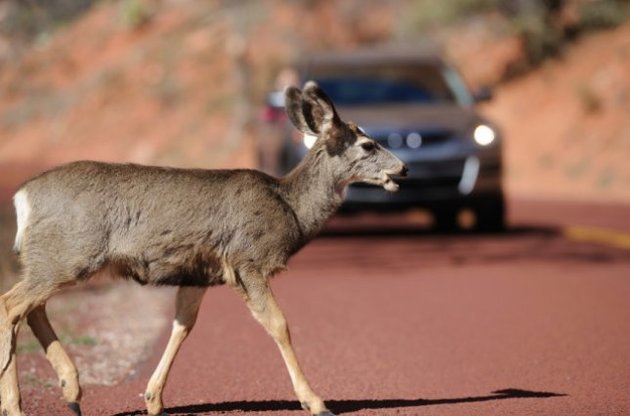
15 305
57 356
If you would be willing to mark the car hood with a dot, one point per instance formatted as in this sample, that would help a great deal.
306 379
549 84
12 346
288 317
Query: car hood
449 117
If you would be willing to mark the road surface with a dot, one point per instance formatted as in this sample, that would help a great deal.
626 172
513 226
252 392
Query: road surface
401 321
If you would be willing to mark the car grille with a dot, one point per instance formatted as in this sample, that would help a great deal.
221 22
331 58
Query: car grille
412 138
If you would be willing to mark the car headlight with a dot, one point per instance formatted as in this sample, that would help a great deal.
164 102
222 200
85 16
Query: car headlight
309 140
484 135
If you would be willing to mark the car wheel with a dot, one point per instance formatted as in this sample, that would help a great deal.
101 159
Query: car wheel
491 215
445 219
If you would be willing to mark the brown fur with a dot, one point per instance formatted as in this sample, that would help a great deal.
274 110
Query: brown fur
158 225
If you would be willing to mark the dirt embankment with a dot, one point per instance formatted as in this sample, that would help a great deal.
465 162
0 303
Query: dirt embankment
184 88
567 125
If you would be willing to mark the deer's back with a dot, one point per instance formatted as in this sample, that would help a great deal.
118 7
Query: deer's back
160 225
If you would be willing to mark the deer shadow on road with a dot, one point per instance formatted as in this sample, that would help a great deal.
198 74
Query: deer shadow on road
348 406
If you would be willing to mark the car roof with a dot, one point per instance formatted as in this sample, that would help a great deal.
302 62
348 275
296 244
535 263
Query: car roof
373 56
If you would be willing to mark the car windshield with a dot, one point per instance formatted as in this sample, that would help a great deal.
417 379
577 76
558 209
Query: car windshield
388 85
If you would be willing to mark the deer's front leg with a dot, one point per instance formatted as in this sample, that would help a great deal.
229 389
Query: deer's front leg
186 309
263 306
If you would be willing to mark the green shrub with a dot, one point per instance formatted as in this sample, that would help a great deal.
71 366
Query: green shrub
602 14
540 39
29 19
134 13
428 13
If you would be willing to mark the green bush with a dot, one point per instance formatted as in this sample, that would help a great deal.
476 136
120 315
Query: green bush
134 13
28 19
602 14
429 13
540 39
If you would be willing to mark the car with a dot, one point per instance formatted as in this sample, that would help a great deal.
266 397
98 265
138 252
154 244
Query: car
416 105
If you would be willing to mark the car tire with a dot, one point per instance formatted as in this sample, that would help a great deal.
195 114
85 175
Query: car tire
491 215
445 219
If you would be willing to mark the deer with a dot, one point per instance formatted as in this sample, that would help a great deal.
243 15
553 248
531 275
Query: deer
189 228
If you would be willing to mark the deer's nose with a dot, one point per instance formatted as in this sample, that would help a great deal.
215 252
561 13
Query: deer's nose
404 170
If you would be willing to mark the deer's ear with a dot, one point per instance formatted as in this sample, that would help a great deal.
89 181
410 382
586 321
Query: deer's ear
294 106
319 111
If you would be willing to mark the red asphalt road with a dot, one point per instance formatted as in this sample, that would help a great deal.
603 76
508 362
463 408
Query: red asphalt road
407 322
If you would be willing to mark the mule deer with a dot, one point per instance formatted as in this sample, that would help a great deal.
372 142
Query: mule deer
191 228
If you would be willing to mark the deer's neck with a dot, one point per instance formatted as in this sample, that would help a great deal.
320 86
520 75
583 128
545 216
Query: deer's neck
313 192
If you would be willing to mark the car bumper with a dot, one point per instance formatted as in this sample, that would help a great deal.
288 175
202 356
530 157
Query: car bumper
460 181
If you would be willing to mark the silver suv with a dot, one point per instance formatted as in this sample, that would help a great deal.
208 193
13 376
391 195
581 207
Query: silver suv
417 106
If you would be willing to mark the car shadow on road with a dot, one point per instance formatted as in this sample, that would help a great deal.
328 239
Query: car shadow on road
517 243
423 231
348 406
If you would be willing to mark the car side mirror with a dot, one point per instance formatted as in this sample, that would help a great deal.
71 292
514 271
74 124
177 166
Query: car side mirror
483 94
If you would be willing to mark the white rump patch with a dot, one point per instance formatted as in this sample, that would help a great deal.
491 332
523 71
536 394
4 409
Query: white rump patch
22 212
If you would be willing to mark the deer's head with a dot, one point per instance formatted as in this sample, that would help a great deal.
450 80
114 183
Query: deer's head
354 155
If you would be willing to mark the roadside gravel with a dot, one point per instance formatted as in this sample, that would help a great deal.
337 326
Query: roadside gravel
107 327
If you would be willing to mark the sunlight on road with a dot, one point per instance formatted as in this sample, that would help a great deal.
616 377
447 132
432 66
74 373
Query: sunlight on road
598 235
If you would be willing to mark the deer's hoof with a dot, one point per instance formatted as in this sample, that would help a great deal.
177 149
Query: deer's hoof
74 406
326 413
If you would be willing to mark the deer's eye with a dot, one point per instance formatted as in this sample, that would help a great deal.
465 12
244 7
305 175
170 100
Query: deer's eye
368 146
